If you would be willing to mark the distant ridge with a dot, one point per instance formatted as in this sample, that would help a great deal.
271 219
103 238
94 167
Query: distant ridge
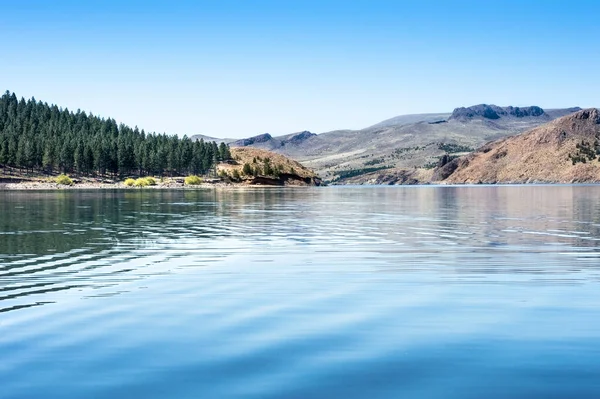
261 138
267 141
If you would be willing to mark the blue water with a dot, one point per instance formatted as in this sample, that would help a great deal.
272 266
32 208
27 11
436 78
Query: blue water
374 292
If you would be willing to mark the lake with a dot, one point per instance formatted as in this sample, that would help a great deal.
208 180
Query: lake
331 292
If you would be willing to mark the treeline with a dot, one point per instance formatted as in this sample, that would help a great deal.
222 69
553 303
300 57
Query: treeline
347 174
35 136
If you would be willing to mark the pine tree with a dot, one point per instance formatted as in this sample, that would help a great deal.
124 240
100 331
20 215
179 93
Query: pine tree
224 153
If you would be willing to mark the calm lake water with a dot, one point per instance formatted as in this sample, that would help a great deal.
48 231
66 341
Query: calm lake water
341 292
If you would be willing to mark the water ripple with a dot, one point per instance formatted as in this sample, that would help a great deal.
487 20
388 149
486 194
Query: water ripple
333 292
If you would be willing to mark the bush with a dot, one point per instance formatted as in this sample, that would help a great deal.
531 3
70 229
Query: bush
193 180
151 181
64 180
129 182
141 182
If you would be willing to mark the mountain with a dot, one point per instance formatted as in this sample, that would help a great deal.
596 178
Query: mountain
566 150
266 141
387 150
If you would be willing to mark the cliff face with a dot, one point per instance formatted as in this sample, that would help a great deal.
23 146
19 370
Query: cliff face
566 150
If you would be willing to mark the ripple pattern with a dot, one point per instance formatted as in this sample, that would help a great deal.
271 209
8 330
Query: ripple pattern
347 292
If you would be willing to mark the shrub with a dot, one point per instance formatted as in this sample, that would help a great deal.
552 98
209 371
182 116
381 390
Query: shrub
129 182
151 181
247 169
141 182
64 180
193 180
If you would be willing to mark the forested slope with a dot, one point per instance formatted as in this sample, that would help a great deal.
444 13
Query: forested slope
38 137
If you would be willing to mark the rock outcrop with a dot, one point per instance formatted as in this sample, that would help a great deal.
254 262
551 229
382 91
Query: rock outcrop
495 112
255 166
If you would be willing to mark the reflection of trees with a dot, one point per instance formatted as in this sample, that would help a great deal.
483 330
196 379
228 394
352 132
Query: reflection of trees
52 223
58 241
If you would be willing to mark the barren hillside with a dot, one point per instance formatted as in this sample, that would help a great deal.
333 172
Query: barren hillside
566 150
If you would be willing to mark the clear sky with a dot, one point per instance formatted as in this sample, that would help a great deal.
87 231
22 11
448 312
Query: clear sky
239 68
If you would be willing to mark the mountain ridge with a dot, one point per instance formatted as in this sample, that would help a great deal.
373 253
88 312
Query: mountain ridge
403 142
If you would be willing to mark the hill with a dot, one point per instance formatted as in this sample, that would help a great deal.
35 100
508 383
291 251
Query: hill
44 139
257 166
388 151
566 150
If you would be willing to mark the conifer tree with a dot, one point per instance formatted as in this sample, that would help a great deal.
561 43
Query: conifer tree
37 136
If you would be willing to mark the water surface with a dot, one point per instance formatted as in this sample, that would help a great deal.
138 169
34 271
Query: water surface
374 292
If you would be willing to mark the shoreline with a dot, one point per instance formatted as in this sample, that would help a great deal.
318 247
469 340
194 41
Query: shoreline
47 186
32 185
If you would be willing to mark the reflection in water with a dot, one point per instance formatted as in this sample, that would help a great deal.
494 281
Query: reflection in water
53 241
436 291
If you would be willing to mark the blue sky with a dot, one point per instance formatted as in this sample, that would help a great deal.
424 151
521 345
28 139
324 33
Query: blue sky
239 68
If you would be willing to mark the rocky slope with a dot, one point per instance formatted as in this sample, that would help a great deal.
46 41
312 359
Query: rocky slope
255 166
566 150
392 149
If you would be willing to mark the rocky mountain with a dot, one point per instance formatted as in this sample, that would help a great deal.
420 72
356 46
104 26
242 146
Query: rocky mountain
566 150
389 150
